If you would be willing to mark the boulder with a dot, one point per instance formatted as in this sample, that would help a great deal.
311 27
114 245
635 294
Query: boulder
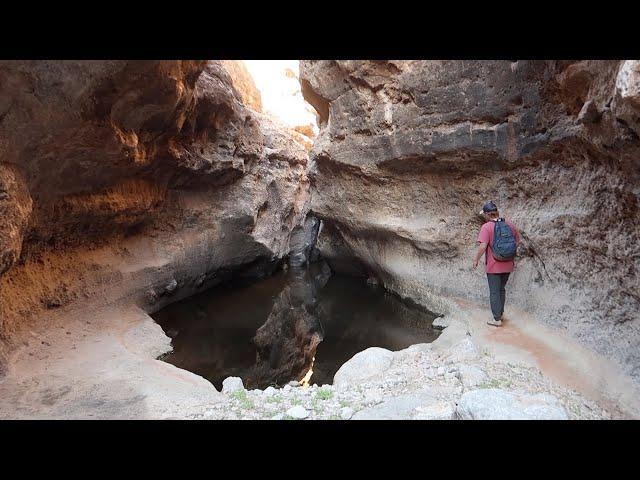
496 404
403 407
232 384
471 376
346 413
363 366
464 350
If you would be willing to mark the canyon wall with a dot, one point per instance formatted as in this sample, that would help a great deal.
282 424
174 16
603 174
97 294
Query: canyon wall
409 151
136 181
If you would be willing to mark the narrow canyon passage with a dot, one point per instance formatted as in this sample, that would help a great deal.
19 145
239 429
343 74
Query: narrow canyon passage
179 237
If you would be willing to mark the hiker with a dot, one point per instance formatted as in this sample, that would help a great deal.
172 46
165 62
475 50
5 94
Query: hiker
498 239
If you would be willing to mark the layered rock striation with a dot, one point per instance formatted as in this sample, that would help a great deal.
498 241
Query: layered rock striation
410 150
136 181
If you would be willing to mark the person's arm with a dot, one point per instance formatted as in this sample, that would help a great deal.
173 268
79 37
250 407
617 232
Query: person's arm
481 250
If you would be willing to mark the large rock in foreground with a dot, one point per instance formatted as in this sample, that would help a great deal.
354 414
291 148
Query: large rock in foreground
363 366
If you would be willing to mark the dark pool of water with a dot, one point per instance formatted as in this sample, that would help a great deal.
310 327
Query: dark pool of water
269 333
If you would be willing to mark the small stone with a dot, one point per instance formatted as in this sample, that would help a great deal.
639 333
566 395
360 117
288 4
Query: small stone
471 376
463 351
443 410
346 413
293 383
364 366
373 397
232 384
298 412
171 286
286 388
269 392
278 416
441 371
441 323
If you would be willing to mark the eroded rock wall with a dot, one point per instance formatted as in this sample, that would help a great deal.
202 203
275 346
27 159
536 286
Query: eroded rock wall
410 150
136 181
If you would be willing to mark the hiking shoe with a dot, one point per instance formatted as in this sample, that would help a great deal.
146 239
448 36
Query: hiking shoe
494 322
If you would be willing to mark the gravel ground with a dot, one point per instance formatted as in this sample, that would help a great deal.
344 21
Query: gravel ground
415 370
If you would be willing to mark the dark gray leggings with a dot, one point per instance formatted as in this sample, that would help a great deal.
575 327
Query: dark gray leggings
497 282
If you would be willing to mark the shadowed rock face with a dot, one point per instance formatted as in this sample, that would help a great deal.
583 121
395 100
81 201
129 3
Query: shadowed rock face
120 179
410 150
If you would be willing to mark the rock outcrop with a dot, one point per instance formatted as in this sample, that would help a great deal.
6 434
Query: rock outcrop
136 181
244 84
409 151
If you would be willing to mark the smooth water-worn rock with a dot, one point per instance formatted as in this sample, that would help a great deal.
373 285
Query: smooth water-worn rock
442 410
269 392
495 404
398 408
364 365
232 384
463 351
471 376
346 413
409 151
441 323
298 412
137 182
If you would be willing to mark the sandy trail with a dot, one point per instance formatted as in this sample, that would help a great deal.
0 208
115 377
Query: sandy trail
560 358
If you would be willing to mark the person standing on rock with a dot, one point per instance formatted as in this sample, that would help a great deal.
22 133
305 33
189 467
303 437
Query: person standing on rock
498 239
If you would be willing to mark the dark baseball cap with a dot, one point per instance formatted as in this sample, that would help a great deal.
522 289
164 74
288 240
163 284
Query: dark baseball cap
489 207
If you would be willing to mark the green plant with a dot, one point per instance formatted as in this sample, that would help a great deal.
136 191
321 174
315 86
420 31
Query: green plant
496 383
324 394
575 410
242 398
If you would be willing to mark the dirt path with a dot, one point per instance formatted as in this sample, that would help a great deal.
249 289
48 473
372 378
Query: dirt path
560 358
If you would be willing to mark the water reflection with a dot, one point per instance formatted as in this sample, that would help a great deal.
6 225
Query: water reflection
268 333
286 343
